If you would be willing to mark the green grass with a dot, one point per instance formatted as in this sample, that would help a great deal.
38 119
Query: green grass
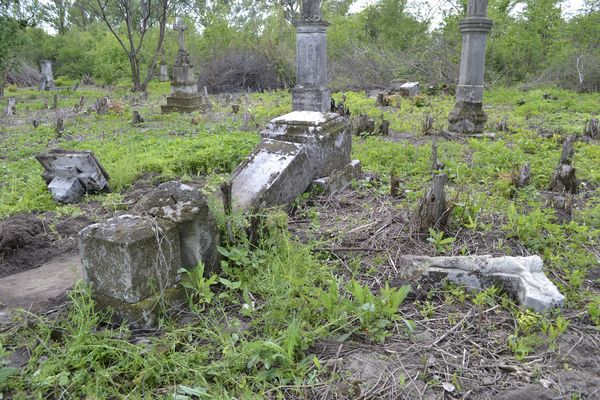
272 302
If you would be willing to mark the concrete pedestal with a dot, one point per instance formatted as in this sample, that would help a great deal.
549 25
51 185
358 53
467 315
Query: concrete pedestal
184 95
468 116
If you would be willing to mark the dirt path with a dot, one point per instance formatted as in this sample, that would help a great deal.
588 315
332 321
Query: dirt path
36 286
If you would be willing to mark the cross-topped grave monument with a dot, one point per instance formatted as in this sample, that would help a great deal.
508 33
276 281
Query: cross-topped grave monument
184 95
468 115
304 145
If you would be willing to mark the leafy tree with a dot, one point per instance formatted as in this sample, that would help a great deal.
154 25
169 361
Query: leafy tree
129 21
11 34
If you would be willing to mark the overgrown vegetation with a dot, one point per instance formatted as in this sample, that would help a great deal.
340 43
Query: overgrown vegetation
257 327
532 41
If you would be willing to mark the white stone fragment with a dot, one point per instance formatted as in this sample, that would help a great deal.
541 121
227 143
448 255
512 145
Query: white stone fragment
523 277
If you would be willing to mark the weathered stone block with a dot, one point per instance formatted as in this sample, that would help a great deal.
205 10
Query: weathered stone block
274 174
66 190
326 136
467 118
130 258
522 277
340 180
188 209
409 89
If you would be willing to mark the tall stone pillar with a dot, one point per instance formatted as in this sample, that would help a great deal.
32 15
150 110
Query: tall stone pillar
47 82
310 92
468 115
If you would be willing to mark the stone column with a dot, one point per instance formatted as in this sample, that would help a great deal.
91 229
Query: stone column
468 116
47 77
310 92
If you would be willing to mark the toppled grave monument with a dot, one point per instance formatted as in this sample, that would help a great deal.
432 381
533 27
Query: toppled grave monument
405 89
304 145
522 277
70 174
184 95
468 116
133 261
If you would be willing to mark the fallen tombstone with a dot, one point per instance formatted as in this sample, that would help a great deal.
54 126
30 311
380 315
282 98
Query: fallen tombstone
395 86
522 277
65 171
132 263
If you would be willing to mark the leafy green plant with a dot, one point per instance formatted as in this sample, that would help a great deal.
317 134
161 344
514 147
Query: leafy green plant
593 310
5 371
440 244
198 287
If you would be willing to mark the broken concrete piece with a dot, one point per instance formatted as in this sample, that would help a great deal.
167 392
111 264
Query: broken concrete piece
187 208
520 276
339 180
81 165
409 89
275 173
66 190
130 258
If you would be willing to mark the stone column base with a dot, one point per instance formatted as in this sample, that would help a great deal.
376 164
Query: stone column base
187 104
467 118
315 98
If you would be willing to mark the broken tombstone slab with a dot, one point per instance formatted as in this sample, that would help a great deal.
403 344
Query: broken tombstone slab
188 209
522 277
274 174
339 180
130 258
66 190
67 164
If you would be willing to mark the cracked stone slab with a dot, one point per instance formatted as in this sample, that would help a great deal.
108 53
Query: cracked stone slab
522 277
63 167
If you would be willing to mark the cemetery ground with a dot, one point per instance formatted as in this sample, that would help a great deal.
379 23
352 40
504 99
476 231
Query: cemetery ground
308 303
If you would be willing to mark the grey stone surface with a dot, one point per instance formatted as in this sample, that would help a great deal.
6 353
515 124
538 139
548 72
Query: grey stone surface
409 89
310 92
327 138
68 164
339 180
467 115
66 190
163 73
274 174
187 208
296 149
130 258
523 277
47 82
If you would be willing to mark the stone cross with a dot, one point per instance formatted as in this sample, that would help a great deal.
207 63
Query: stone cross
311 10
180 27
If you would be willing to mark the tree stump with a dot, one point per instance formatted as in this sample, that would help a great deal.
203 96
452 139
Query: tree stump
55 102
522 177
137 118
383 128
11 108
60 127
427 128
235 108
394 185
382 100
563 178
433 211
80 104
592 129
101 105
502 126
